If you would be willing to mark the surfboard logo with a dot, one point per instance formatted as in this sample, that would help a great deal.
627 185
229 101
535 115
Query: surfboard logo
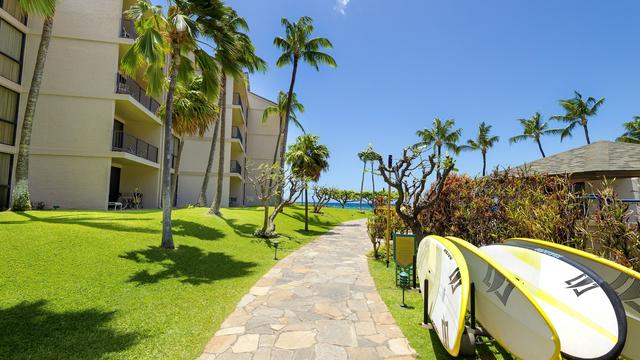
445 333
494 282
581 284
455 280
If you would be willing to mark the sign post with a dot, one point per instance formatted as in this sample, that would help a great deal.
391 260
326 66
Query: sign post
404 253
390 161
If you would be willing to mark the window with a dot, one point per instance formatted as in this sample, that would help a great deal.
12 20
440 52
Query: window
8 115
11 48
14 9
5 180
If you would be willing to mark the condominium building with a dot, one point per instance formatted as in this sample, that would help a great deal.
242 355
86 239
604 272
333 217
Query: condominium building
96 136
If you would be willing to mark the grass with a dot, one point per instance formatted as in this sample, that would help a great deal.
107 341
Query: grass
425 342
89 284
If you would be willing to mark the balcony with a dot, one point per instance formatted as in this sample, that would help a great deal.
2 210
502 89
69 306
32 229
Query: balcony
127 30
132 145
236 134
14 9
128 86
237 100
236 168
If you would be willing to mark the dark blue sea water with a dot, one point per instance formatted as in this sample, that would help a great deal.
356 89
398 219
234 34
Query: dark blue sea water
351 205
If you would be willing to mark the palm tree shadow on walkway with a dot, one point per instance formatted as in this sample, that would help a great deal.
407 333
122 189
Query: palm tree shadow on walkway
189 264
29 330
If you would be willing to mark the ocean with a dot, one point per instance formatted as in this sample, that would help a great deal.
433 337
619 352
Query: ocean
350 205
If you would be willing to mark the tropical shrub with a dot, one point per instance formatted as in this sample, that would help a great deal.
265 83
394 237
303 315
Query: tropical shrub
377 228
344 196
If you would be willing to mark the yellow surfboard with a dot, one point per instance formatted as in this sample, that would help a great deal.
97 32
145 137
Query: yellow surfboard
443 266
506 310
624 281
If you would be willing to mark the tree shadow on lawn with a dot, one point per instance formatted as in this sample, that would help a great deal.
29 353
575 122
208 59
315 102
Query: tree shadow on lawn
244 229
194 229
111 224
29 330
189 264
314 220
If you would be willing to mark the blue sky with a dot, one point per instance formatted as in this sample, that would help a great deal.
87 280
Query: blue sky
404 62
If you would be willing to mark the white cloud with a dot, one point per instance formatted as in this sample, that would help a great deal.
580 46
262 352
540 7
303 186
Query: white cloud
341 6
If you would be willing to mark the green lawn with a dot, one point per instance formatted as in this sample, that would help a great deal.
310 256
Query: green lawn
81 284
425 342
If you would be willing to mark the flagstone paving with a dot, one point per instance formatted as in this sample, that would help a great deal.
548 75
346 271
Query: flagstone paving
320 302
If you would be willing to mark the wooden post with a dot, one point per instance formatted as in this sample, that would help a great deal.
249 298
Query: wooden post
389 211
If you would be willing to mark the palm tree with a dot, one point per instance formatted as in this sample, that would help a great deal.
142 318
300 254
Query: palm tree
308 160
46 8
193 114
296 45
482 143
280 109
577 112
236 55
534 128
164 41
367 156
441 134
632 133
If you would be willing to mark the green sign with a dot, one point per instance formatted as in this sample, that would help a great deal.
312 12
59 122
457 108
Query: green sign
404 248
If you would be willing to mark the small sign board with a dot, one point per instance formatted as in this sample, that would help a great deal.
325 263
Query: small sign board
404 248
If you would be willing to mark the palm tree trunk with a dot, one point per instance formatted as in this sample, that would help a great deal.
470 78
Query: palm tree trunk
275 159
540 147
364 169
215 206
176 172
202 198
484 163
438 175
586 130
306 207
21 195
167 236
373 179
285 132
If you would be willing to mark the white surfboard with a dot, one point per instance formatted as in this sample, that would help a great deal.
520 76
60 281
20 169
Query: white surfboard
506 309
443 266
584 310
624 281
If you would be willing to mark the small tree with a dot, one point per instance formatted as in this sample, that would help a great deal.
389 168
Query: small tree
265 182
408 176
344 196
321 196
293 187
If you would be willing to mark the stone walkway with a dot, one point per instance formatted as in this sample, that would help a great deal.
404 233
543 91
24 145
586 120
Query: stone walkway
320 302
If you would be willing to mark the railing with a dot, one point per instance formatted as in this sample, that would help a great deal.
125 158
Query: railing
236 168
237 100
14 9
130 144
236 134
126 85
127 30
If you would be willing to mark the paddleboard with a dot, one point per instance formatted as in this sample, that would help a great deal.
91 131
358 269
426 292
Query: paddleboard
586 313
443 266
624 281
506 309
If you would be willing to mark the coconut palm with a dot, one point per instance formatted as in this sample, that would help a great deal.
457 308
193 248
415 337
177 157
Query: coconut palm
296 45
482 143
234 56
308 160
280 109
193 114
577 112
367 156
164 41
533 129
441 135
47 9
632 133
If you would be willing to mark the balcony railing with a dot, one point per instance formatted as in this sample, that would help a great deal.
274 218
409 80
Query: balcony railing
236 168
132 145
14 9
126 85
237 100
127 30
236 134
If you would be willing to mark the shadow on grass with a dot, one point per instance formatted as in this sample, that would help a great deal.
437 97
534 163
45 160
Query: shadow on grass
242 229
31 331
188 264
194 229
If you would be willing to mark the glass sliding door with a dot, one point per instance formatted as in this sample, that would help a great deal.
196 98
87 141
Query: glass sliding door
11 50
5 180
8 116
